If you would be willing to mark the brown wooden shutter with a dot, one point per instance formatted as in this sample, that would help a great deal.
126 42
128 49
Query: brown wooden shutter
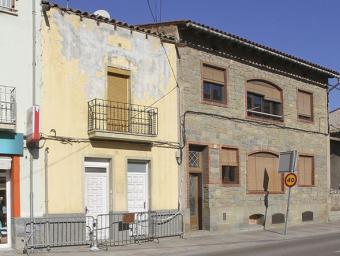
229 157
257 165
251 175
305 171
213 74
304 103
269 91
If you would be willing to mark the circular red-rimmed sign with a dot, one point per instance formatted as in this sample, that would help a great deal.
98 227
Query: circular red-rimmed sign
290 180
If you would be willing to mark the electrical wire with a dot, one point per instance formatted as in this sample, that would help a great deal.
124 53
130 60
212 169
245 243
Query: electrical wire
151 12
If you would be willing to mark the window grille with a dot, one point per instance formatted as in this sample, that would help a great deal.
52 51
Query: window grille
194 159
6 4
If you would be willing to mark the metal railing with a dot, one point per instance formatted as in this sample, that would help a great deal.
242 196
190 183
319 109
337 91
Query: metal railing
59 232
112 229
7 105
104 115
115 229
6 4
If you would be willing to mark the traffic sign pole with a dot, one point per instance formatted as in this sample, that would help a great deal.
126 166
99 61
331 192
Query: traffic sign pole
290 181
287 212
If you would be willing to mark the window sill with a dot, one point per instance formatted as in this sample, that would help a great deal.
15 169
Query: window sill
230 185
306 121
9 11
264 119
213 103
263 193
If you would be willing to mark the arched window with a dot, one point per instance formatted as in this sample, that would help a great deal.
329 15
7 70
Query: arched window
262 173
264 100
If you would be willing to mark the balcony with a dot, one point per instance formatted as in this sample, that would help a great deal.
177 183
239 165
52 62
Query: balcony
122 121
7 108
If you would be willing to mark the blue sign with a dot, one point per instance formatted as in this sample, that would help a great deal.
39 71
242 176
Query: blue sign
11 143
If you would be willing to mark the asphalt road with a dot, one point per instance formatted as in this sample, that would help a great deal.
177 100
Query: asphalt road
321 245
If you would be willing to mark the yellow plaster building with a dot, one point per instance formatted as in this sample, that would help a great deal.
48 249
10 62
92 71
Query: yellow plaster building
108 116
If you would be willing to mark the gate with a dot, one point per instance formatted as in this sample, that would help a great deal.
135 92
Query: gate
111 229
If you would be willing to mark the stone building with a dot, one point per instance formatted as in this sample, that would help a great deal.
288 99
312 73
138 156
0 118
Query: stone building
334 122
241 104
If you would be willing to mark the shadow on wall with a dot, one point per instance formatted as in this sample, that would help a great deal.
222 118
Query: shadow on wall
121 145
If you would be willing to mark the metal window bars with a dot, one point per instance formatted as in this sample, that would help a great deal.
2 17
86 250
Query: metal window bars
7 105
8 4
104 115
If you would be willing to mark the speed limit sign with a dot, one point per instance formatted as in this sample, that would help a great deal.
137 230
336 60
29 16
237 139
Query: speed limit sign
290 180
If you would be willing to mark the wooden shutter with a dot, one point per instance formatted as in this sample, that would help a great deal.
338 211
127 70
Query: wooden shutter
257 165
269 91
213 74
117 87
117 112
305 171
229 157
304 103
251 175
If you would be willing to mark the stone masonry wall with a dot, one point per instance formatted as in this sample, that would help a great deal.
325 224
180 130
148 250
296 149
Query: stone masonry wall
233 201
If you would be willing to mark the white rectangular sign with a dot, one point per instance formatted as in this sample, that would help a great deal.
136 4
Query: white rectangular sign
288 161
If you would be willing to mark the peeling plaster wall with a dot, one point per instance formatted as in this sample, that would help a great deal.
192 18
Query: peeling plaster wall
76 54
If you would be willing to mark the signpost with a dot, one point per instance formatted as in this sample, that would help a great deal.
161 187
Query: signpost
287 163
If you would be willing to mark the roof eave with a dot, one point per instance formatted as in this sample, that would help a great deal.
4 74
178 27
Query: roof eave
278 54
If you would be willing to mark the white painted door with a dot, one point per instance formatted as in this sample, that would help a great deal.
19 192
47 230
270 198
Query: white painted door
97 196
137 186
95 192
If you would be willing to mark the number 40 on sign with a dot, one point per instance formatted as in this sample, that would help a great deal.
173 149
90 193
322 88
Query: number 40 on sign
290 180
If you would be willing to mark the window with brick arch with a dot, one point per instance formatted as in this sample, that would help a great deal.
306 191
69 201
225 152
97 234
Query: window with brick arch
262 173
264 100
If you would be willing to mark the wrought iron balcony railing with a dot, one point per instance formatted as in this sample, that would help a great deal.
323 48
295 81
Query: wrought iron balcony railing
7 105
110 116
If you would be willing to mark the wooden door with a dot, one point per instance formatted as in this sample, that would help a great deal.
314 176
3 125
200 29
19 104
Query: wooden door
195 201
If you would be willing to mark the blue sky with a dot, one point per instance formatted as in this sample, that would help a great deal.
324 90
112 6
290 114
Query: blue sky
308 29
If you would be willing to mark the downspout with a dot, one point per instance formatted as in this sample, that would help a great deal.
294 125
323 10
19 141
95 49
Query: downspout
33 103
46 180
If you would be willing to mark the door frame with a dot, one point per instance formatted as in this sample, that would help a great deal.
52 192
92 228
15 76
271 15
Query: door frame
8 210
147 184
200 200
98 164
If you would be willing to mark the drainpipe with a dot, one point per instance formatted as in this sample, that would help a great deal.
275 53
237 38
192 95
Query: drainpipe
33 103
46 180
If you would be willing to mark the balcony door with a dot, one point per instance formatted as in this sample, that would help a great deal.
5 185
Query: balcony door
118 99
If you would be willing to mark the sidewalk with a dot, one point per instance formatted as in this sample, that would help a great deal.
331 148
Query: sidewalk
201 242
